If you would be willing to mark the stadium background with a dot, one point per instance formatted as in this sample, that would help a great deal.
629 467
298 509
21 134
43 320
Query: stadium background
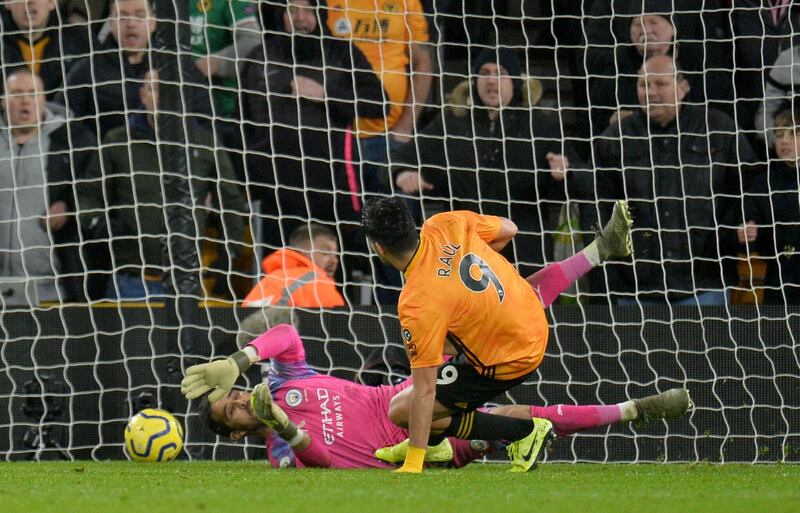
741 363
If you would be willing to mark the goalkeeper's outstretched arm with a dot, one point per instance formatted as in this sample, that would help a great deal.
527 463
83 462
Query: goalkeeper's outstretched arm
281 343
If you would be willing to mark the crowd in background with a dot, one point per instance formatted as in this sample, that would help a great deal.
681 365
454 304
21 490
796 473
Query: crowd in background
295 112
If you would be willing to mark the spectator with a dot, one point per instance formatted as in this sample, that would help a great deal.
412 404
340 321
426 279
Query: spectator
223 31
393 40
303 275
300 102
676 164
122 195
483 153
640 29
102 89
772 212
33 35
780 87
761 28
39 151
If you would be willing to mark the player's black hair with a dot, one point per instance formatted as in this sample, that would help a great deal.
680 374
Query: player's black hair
204 413
389 222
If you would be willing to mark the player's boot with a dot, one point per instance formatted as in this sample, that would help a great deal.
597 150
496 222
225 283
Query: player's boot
440 453
666 405
525 453
614 239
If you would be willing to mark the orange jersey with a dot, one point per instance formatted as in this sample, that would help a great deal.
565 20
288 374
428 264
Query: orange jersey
382 30
460 290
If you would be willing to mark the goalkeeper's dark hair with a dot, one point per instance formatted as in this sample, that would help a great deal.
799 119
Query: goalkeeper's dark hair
389 222
204 413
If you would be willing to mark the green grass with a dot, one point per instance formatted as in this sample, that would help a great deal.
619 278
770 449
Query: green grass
228 487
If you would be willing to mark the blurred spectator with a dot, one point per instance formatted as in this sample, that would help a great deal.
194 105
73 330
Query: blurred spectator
677 165
780 89
394 39
122 196
39 153
761 28
33 35
621 34
103 88
483 153
302 274
772 212
222 32
79 11
300 101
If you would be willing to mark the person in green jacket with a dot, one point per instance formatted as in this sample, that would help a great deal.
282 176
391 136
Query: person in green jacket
121 195
223 33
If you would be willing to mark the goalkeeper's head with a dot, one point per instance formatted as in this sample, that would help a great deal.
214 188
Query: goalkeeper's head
390 230
231 416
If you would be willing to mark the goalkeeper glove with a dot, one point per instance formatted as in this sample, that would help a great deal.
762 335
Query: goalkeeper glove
219 375
273 415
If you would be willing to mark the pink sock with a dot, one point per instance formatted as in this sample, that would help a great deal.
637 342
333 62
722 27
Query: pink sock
466 451
555 278
568 419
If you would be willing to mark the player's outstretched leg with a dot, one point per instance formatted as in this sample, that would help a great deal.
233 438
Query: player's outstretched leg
613 241
666 405
525 453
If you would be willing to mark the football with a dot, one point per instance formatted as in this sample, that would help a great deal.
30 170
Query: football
153 435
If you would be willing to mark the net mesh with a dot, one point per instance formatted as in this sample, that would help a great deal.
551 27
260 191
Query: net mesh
153 173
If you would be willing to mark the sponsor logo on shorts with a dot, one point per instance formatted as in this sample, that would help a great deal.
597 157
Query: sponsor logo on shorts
293 397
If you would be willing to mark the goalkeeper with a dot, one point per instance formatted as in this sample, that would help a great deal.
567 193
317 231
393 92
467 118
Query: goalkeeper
313 420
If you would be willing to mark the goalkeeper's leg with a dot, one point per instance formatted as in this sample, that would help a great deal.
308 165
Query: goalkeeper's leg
569 419
613 241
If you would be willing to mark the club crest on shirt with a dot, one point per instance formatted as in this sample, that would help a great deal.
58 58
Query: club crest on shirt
293 397
390 7
204 5
342 27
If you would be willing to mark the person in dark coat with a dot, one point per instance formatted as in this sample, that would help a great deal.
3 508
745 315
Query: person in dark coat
681 167
102 90
642 29
486 151
300 99
33 35
772 214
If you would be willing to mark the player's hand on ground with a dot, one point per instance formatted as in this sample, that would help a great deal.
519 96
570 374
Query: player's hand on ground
218 376
267 411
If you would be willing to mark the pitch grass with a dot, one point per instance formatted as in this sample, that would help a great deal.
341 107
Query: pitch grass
230 487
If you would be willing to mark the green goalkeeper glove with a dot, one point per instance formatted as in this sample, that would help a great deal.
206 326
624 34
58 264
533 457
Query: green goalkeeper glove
219 375
273 416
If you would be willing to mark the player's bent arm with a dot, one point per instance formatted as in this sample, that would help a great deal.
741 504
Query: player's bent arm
423 396
281 342
507 231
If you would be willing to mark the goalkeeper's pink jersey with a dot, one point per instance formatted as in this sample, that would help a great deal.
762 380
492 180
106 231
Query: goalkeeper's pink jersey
350 420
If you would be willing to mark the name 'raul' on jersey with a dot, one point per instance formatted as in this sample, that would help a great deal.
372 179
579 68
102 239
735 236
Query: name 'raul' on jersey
458 289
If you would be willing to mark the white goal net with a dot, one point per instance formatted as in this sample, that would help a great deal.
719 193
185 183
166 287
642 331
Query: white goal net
161 181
